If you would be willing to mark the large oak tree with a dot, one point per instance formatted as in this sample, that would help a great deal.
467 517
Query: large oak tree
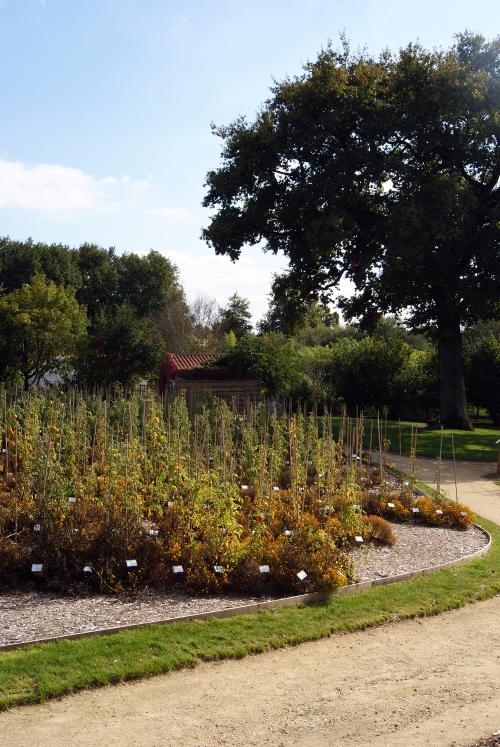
382 170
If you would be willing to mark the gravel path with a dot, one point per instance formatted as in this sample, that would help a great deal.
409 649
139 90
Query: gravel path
26 616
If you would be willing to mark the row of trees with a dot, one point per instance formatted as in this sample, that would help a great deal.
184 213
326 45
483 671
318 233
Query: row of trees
103 317
388 370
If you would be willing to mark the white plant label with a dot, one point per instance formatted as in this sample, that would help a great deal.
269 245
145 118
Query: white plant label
263 569
87 569
170 504
37 527
218 568
72 499
415 510
463 513
153 532
358 538
390 505
276 488
302 575
37 568
244 487
132 563
439 512
178 569
288 533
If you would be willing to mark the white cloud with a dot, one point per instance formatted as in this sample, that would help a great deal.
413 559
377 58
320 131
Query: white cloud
174 213
56 189
204 272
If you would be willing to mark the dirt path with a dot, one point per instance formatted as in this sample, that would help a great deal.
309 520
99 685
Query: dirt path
482 495
422 682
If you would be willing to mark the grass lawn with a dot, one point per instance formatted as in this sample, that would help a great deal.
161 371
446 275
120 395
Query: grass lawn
477 445
34 674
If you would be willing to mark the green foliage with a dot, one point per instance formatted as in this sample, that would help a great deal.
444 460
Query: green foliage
236 316
384 171
41 326
382 374
271 358
482 356
20 261
120 349
289 313
126 297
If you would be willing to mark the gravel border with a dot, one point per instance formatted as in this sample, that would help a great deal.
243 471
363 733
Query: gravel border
31 616
416 547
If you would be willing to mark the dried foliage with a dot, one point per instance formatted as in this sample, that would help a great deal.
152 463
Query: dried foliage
208 499
379 530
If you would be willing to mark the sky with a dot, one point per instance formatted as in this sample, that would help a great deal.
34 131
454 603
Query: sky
105 130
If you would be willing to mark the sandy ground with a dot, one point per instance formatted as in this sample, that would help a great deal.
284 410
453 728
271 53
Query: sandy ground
422 682
480 494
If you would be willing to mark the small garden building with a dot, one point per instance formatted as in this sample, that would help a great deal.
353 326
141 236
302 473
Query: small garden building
198 372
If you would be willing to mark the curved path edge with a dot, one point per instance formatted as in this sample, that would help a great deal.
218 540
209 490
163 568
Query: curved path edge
315 597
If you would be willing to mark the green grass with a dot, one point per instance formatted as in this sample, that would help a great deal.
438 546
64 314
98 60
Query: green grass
37 673
477 445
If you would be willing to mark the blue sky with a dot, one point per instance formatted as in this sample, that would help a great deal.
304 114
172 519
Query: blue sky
107 104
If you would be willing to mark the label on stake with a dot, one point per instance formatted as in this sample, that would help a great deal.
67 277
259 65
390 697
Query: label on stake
153 532
288 533
218 569
87 569
302 575
71 499
415 510
178 569
37 568
358 538
390 505
263 569
37 527
131 563
439 512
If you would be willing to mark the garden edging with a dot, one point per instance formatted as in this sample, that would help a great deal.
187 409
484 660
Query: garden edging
310 598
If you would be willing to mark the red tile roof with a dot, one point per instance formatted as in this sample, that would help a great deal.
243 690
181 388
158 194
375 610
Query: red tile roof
174 363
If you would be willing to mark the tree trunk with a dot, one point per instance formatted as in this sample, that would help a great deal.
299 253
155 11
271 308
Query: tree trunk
453 402
26 378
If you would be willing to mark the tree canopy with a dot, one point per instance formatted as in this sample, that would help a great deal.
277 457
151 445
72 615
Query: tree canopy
41 325
236 316
382 170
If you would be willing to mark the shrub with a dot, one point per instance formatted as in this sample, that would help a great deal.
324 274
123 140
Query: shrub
379 529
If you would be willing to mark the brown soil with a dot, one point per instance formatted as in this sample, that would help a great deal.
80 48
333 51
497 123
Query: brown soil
426 682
